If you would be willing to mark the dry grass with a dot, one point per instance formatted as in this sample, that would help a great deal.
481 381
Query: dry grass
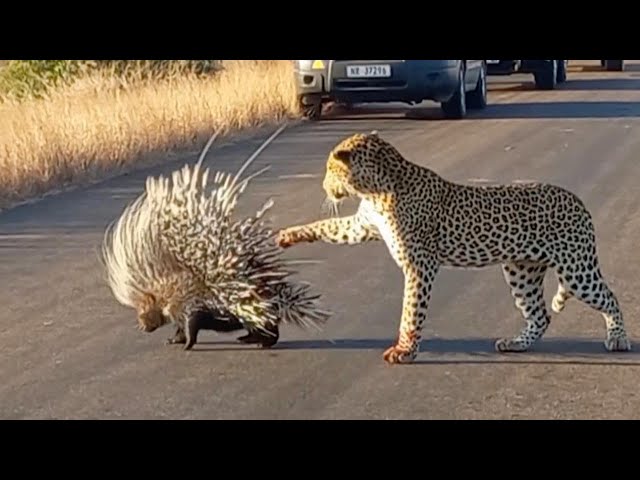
98 127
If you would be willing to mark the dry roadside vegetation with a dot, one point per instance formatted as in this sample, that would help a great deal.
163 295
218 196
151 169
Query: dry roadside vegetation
100 125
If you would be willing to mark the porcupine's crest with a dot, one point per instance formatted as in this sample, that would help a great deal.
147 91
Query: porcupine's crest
237 262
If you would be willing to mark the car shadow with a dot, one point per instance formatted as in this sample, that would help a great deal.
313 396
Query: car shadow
394 111
568 110
600 84
476 350
583 84
498 111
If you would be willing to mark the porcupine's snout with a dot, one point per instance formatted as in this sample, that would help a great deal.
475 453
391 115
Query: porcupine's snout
151 320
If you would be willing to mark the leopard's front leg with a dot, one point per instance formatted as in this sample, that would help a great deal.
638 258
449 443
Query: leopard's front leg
350 230
418 284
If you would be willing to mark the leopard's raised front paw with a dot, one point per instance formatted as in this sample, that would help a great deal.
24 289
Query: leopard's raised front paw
292 235
286 238
396 355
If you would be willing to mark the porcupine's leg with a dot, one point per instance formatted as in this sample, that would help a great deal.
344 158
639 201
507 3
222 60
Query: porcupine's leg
264 339
350 230
191 327
179 337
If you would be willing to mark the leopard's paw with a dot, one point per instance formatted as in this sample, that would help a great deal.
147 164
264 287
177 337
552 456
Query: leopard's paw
287 237
396 355
510 345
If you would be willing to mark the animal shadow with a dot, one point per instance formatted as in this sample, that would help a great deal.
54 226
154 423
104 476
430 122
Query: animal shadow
556 350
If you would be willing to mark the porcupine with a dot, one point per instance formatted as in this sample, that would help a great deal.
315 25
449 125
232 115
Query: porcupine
176 256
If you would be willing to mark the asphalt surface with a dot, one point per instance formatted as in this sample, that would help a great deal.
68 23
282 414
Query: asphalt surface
70 351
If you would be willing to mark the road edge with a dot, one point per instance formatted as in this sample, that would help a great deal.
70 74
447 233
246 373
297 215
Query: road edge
153 160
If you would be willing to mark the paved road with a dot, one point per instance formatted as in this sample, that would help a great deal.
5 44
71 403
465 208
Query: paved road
69 351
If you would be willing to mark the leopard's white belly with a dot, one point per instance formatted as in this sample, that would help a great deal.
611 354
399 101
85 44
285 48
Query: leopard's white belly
370 215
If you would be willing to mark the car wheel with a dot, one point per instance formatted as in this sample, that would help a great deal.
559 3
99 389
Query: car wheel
456 106
311 107
312 112
614 65
478 97
546 77
561 76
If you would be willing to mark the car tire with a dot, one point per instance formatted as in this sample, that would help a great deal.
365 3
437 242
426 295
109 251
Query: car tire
311 107
614 65
456 106
546 77
312 112
477 99
561 76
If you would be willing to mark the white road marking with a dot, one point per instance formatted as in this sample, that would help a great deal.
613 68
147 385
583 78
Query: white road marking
298 175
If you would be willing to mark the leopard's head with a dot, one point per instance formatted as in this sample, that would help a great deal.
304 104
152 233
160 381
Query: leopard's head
360 165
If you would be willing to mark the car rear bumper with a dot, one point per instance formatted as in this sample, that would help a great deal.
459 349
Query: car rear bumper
409 81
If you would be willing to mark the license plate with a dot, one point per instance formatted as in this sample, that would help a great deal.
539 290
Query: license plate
491 62
368 71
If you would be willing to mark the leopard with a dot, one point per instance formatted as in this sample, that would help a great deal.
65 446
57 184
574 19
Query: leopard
429 222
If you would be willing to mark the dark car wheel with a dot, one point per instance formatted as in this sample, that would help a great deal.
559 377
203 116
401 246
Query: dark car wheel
312 112
613 65
561 76
546 77
311 107
478 97
456 106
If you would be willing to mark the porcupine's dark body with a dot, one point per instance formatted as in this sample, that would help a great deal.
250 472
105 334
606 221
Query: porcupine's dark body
209 319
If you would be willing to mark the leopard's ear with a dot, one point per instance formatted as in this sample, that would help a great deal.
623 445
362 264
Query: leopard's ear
343 155
374 133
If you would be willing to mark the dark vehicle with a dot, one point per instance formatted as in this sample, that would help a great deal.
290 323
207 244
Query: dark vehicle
612 65
455 84
546 73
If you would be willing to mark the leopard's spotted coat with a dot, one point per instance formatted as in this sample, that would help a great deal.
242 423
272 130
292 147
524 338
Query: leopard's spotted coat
428 222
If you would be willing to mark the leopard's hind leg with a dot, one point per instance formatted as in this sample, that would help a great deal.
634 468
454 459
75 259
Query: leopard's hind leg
586 283
526 282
